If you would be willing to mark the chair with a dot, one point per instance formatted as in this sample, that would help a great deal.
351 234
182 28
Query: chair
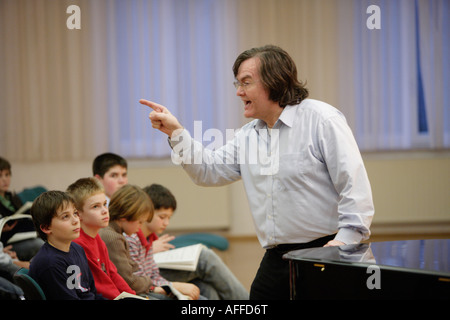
31 288
208 239
29 194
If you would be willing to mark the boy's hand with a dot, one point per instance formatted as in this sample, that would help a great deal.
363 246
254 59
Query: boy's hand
8 227
188 289
162 244
8 250
162 119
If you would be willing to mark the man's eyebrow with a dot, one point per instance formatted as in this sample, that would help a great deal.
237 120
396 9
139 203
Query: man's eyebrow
243 78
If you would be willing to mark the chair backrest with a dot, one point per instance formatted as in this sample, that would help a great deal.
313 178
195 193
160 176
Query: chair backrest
208 239
29 194
30 287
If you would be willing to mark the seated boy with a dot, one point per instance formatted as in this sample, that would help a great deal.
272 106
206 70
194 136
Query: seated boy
212 276
60 267
111 170
90 202
130 206
9 204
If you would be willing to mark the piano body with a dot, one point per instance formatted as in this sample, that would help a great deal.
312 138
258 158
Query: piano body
409 269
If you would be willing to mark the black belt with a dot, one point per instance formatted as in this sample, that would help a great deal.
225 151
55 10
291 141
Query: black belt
286 247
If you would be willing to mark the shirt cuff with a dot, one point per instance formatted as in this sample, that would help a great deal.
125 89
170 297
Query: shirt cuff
180 142
175 139
349 236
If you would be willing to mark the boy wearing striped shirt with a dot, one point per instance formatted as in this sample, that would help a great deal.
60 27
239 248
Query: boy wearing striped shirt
212 276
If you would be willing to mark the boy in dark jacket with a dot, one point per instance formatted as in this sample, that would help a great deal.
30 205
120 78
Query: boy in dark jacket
60 267
28 244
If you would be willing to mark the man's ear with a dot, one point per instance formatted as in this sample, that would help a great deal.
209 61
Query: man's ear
97 176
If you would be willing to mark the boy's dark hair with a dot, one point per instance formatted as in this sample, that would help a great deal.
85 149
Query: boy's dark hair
105 161
44 208
5 165
161 197
278 74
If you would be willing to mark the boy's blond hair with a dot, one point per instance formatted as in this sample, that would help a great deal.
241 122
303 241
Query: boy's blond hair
83 189
130 202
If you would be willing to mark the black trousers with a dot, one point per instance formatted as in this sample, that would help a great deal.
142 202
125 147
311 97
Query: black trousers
272 279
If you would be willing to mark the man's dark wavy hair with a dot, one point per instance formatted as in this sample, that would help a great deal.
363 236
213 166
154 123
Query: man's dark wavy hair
278 74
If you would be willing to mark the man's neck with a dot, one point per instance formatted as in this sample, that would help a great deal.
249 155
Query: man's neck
274 115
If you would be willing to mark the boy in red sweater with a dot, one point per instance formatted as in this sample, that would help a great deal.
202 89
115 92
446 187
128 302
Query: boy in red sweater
90 201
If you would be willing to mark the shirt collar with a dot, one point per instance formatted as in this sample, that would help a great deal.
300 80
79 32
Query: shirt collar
286 117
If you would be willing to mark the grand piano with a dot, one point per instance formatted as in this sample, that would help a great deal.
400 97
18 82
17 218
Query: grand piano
409 269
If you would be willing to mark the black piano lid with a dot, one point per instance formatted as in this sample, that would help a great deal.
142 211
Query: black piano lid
429 256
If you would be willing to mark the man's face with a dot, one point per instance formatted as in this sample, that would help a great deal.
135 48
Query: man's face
113 179
252 92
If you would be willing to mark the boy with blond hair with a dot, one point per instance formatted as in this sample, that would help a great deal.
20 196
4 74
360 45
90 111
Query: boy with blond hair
90 201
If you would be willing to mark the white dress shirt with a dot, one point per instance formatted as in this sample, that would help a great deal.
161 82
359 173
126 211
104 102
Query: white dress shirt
304 178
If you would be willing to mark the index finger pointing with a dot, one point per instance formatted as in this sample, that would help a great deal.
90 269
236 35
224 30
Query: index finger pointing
153 105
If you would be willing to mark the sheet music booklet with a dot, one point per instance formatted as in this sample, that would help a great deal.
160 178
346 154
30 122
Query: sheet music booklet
185 258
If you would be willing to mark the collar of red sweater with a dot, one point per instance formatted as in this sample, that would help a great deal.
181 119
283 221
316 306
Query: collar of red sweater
146 242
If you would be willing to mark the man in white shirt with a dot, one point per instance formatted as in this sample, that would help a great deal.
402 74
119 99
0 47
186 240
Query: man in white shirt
301 167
